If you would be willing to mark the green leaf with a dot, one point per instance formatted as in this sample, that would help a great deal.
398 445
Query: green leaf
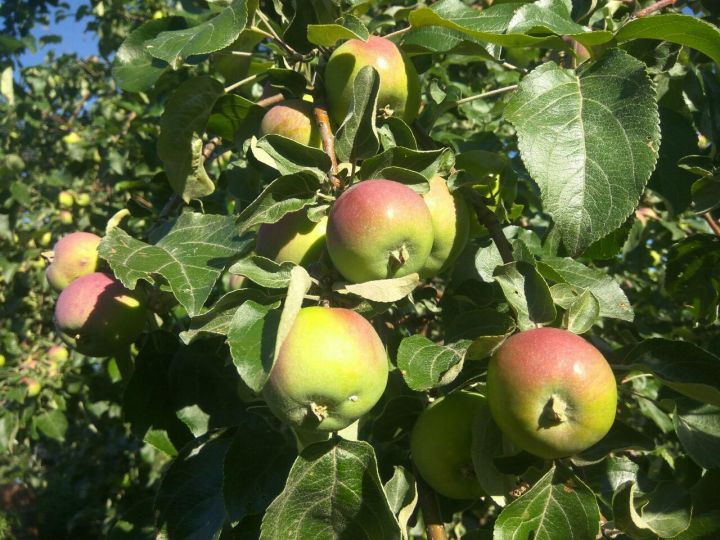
706 194
288 156
401 493
284 195
583 313
216 320
602 126
333 491
613 302
300 283
684 367
512 24
327 35
134 68
251 336
676 28
698 428
487 444
264 272
382 290
9 424
425 365
52 424
666 512
559 505
195 419
527 292
486 328
424 162
437 39
212 35
179 146
255 473
191 256
235 118
190 499
357 137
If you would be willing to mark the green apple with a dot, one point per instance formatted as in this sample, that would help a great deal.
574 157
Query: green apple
399 84
2 360
74 255
379 229
33 387
97 316
65 199
331 369
293 119
441 445
551 392
83 199
58 354
295 238
66 218
451 226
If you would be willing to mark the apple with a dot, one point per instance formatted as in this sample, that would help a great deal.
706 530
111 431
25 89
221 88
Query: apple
65 199
379 229
83 199
97 316
74 255
235 281
33 387
57 354
294 238
551 392
441 445
331 369
66 218
399 83
451 226
2 360
294 119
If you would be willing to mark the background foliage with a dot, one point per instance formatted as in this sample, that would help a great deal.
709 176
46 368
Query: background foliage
156 134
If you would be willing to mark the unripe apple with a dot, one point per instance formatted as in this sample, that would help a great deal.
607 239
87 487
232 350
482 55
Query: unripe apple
33 387
441 445
66 218
235 281
551 392
295 238
45 239
65 199
399 84
379 229
82 199
57 354
331 369
2 360
98 316
74 255
293 119
451 226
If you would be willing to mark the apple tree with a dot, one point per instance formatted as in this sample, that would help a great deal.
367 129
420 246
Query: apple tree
424 270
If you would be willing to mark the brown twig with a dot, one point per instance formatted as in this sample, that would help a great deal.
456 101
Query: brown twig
270 100
328 143
491 223
657 6
434 526
210 146
713 224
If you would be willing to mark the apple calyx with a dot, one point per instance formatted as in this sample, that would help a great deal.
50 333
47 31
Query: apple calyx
398 257
553 413
320 412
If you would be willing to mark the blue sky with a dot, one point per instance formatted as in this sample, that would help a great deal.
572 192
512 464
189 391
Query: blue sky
74 38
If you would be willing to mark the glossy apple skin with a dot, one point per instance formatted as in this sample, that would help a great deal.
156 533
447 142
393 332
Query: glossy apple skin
332 358
293 119
451 226
294 238
369 222
97 316
543 370
74 255
441 445
399 82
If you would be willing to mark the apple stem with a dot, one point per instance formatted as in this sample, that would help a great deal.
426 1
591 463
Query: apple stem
434 526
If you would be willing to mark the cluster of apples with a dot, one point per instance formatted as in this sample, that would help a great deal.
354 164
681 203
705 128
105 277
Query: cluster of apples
94 314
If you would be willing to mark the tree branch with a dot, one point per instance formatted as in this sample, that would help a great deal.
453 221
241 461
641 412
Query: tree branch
491 223
713 224
270 100
328 143
275 36
657 6
434 526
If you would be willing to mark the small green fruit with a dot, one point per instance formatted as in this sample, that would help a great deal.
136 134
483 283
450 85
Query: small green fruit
379 229
451 226
551 392
65 199
33 388
2 360
83 199
441 445
399 84
57 354
293 239
331 369
66 218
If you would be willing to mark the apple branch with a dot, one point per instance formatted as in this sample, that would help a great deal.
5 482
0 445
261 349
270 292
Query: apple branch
491 223
270 100
657 6
434 526
713 224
